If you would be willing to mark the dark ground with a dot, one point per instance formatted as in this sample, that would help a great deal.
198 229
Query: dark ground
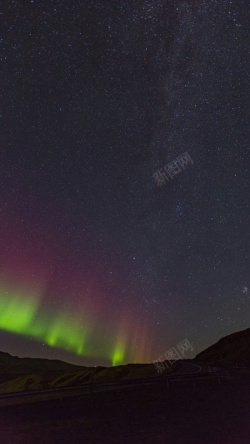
183 414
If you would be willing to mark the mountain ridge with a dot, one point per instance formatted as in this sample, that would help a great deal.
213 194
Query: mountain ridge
22 374
231 350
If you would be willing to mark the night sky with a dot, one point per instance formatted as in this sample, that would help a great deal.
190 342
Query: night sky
124 204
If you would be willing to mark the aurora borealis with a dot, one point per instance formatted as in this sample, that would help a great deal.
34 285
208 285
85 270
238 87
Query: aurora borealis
19 313
99 265
28 308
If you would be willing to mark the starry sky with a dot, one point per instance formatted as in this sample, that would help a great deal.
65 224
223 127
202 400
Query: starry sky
124 179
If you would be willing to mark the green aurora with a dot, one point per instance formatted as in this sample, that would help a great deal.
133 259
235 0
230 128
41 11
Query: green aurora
19 314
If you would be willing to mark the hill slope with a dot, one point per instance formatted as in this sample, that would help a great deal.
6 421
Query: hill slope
22 374
23 366
232 350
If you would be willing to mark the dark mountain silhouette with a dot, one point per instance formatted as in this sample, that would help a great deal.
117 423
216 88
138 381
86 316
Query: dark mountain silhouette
21 374
232 350
18 374
23 366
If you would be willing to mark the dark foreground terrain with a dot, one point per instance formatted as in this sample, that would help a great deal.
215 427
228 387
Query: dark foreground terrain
208 412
